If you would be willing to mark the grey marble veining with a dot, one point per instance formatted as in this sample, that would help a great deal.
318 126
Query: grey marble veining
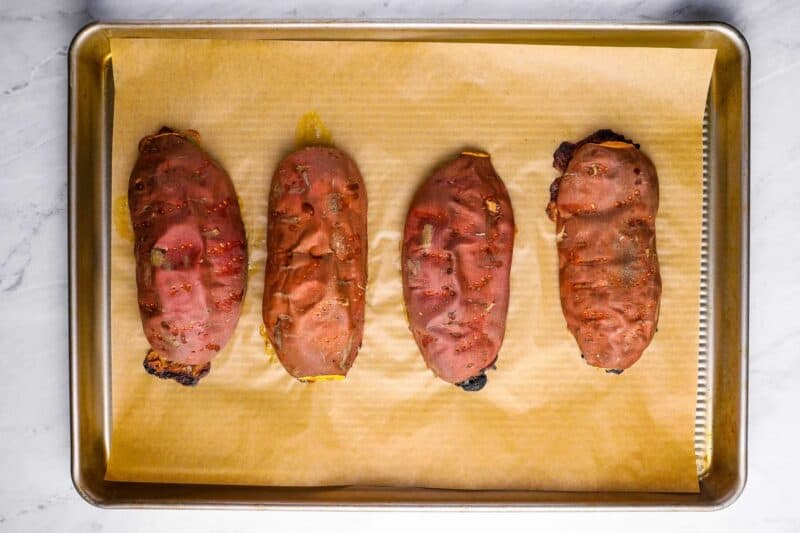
35 488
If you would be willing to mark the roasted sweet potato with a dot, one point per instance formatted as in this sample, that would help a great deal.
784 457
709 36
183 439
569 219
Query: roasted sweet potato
604 205
316 274
456 260
191 254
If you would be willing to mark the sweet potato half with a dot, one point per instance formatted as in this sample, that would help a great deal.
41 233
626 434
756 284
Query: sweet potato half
316 274
191 254
604 205
456 261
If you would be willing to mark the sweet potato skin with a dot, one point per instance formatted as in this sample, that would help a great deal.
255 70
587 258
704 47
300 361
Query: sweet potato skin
316 273
604 206
456 260
191 254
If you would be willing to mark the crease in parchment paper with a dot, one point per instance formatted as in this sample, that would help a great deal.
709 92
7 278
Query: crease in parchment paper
545 420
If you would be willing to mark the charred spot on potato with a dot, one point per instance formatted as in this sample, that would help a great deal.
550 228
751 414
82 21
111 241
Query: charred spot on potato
474 384
616 371
188 375
563 154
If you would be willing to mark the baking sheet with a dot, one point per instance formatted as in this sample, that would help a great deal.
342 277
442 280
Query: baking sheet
545 420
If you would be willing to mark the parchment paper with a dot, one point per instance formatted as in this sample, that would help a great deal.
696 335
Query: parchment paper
545 420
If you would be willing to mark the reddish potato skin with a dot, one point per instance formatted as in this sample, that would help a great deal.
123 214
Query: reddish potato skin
316 273
604 206
456 260
191 254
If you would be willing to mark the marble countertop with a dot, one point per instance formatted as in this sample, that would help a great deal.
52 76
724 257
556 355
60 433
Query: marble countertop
36 493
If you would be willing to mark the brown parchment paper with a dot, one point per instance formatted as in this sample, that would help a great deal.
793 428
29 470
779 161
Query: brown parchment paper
545 420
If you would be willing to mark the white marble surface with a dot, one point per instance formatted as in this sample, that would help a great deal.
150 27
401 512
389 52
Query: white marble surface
35 489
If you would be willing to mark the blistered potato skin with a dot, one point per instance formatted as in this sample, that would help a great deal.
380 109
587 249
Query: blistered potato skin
456 261
316 273
191 254
604 206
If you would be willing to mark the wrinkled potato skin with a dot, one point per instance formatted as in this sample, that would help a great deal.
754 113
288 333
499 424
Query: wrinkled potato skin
604 206
456 272
191 254
316 274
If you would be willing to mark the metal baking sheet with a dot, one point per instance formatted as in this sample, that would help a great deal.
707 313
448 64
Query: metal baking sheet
720 431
